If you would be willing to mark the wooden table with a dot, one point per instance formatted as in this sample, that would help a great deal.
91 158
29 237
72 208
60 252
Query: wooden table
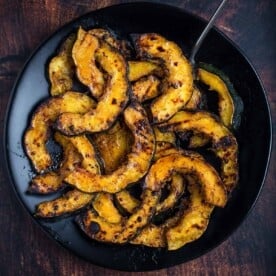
26 250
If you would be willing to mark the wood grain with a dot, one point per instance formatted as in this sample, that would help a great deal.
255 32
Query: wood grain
26 250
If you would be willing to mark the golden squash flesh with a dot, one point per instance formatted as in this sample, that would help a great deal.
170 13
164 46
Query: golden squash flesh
61 68
146 88
212 186
111 104
104 206
225 102
224 143
66 204
164 136
73 200
108 37
177 87
53 181
126 201
113 145
45 115
195 100
137 162
83 54
139 69
99 229
194 221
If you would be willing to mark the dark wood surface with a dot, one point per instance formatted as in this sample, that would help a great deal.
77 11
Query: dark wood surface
26 250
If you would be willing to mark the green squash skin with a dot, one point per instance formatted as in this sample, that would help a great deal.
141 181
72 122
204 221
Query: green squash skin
237 100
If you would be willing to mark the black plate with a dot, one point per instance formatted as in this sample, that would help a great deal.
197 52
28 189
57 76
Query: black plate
254 136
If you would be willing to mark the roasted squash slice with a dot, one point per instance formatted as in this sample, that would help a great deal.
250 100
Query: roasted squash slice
45 115
112 102
52 181
113 145
195 101
83 54
164 136
126 201
66 204
224 143
194 221
61 68
73 200
139 69
178 83
104 206
176 186
197 139
154 235
163 168
136 164
86 149
185 226
121 45
99 229
229 102
146 88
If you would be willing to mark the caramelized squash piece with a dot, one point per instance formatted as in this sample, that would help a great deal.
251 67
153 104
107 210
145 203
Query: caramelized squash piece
176 188
113 145
163 168
146 88
225 102
178 83
104 206
99 229
66 204
194 221
195 100
136 164
139 69
198 140
73 200
230 103
126 201
83 54
121 45
53 181
154 235
45 115
61 68
86 149
164 136
224 143
112 102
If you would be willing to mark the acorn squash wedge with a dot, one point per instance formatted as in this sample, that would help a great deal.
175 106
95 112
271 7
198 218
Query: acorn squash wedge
137 162
212 186
83 54
146 88
230 103
111 104
43 118
52 181
194 220
224 144
98 228
177 86
61 68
